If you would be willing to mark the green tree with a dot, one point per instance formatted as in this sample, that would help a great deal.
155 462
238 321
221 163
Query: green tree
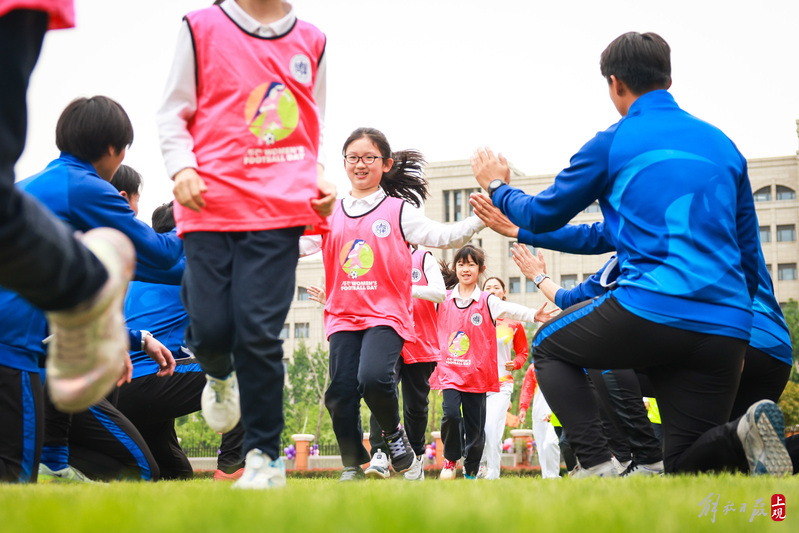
791 312
307 378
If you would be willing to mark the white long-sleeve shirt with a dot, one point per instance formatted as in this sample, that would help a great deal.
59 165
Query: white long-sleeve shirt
417 228
435 290
499 308
180 95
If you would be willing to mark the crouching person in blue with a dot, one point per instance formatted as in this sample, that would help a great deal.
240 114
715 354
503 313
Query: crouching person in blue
92 134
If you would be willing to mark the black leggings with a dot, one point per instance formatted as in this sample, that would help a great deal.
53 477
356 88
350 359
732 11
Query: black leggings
695 377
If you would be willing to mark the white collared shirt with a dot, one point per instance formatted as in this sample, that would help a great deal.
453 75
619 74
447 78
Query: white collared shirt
499 308
180 95
417 228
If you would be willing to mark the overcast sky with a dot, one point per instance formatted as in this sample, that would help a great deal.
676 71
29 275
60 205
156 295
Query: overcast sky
447 76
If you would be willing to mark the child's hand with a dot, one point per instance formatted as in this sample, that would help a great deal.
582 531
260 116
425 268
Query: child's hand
543 316
493 217
327 194
522 416
188 189
509 366
317 294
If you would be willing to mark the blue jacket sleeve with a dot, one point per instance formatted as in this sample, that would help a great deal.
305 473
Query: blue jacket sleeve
584 291
581 239
134 338
95 203
747 229
573 190
172 276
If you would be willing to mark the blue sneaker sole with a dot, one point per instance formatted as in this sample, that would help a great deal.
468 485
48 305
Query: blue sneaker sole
773 459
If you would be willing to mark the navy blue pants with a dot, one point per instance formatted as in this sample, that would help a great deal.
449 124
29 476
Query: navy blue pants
415 380
237 290
103 443
21 425
463 432
152 403
40 258
695 377
362 366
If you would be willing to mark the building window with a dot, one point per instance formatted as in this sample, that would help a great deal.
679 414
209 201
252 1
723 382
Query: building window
446 206
530 286
515 285
593 208
765 234
768 269
786 271
457 197
284 333
468 193
302 294
763 195
785 193
302 330
786 233
568 281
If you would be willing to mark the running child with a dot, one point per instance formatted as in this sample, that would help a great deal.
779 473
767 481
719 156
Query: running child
414 367
240 131
368 309
467 366
510 334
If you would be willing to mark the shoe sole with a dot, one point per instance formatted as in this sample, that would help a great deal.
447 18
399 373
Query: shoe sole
76 393
765 446
374 473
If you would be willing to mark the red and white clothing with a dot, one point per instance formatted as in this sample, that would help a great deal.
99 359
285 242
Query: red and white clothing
425 320
467 344
61 12
510 333
546 440
366 271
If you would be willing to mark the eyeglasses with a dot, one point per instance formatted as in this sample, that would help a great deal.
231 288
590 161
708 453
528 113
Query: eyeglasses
367 159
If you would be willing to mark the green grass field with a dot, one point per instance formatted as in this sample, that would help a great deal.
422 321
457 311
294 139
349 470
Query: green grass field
310 505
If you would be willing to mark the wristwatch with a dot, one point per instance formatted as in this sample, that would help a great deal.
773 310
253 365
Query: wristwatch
539 279
493 186
145 334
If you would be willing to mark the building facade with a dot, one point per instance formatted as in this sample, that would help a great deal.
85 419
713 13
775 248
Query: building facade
775 183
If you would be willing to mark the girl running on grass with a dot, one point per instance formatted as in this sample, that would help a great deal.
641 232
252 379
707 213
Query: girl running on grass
467 367
510 334
368 308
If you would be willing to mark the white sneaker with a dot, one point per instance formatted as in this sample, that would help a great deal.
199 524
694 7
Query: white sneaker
482 472
761 431
65 475
261 472
605 469
220 403
652 469
416 473
89 346
448 471
378 466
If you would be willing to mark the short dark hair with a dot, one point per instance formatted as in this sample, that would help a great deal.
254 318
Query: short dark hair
163 218
641 60
88 126
127 180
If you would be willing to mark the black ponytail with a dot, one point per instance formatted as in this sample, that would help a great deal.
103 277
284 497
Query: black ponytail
405 179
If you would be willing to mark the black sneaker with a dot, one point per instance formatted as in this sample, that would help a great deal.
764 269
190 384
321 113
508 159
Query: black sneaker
402 455
351 473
